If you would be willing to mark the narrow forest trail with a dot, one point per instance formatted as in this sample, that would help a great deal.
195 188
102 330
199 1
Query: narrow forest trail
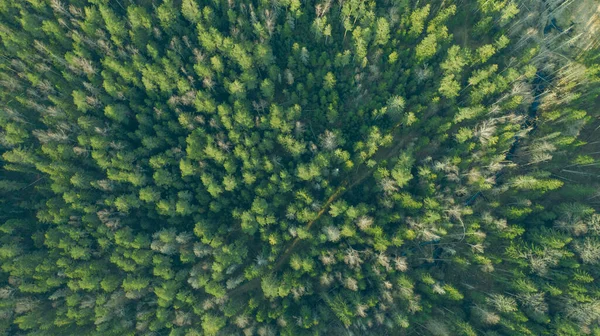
350 182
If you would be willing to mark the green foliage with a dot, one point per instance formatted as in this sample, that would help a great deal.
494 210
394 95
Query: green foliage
295 168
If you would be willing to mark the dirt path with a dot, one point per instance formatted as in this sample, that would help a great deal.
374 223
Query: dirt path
360 175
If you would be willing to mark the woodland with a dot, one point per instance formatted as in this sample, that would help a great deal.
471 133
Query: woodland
300 167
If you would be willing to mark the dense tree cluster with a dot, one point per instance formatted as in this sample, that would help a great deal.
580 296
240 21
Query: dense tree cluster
286 167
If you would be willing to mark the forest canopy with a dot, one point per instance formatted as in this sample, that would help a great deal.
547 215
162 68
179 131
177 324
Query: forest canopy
287 167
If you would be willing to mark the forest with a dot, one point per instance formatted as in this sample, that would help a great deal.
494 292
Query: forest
300 167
